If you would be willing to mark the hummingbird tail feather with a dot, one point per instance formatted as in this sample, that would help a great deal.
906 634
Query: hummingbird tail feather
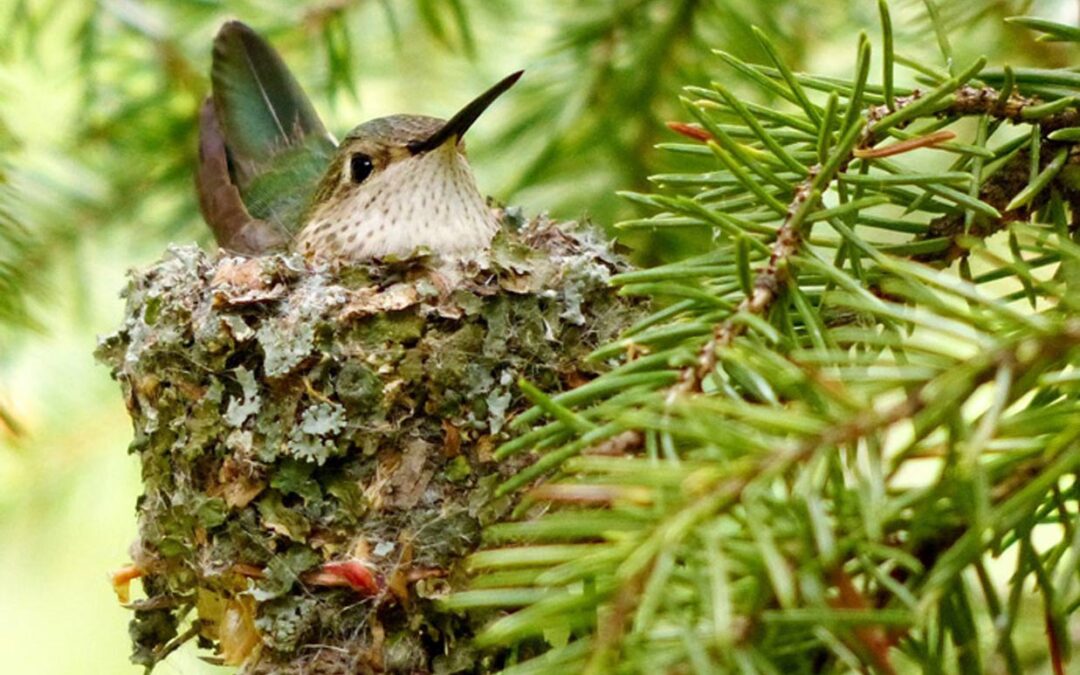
219 199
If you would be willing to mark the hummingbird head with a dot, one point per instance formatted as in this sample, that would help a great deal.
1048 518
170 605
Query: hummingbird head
399 183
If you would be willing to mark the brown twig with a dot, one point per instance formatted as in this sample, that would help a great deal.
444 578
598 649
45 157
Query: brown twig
767 283
999 190
613 626
177 642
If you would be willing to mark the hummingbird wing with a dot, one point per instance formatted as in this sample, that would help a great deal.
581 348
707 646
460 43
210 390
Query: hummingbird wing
222 206
276 146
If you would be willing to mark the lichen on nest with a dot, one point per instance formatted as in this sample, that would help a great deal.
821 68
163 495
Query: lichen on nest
316 443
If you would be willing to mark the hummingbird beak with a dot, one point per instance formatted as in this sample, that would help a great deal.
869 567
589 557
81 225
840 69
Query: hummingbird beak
458 124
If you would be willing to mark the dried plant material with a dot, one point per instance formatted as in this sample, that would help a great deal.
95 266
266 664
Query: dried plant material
691 131
237 636
898 148
591 494
121 582
353 574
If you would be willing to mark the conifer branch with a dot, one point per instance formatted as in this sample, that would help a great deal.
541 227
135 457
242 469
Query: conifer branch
799 370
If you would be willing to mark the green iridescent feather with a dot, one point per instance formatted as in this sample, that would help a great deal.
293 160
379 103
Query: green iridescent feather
278 147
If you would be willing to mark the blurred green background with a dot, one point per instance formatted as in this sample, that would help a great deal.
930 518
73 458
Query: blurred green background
97 144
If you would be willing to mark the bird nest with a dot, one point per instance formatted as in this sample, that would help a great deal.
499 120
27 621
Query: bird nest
316 443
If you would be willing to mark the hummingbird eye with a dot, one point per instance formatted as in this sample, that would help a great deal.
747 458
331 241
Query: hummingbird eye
360 167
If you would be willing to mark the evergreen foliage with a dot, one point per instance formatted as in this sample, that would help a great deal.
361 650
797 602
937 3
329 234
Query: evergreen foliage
847 438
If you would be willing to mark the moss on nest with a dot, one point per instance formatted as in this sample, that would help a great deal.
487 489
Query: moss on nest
316 443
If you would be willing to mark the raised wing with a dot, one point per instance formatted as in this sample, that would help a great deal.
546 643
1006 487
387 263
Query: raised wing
223 208
276 147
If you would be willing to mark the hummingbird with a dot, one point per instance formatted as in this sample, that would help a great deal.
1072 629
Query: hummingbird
271 177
